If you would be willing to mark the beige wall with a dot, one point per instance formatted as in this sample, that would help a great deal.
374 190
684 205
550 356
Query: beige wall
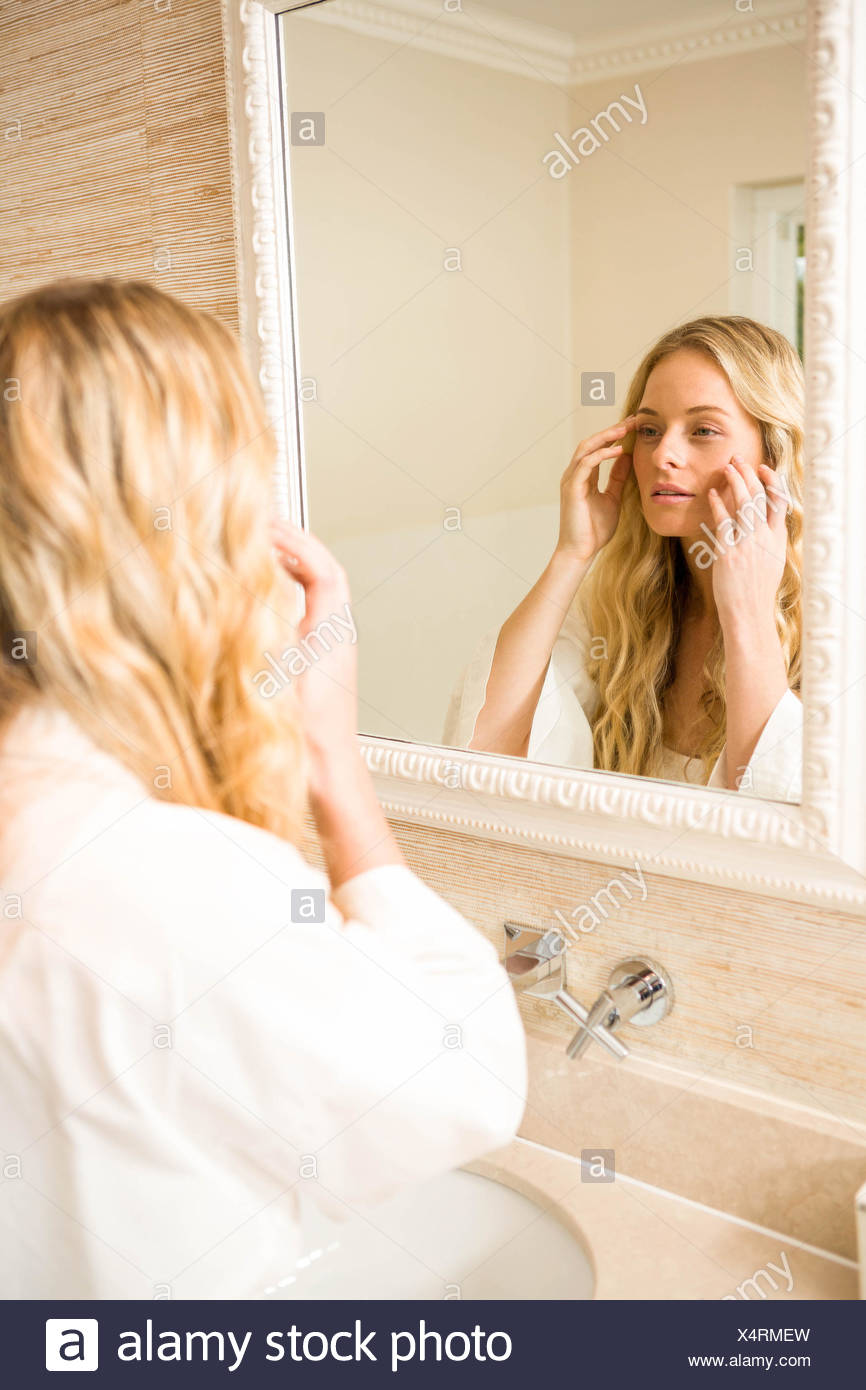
428 380
113 137
652 210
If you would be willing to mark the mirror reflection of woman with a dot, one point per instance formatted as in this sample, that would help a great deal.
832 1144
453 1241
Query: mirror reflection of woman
663 637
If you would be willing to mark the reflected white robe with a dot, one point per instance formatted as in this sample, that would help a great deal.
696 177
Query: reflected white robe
561 732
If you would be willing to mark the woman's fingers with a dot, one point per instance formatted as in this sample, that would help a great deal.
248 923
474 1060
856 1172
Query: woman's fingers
311 563
589 463
756 500
749 487
599 444
618 475
304 553
725 525
290 539
605 436
285 544
735 479
736 498
579 467
777 498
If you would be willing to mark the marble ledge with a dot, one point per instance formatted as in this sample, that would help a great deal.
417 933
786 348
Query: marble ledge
645 1243
703 1137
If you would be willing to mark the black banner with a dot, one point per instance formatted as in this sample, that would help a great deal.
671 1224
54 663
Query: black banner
420 1344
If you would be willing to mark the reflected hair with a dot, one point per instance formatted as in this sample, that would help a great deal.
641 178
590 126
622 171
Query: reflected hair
635 595
136 469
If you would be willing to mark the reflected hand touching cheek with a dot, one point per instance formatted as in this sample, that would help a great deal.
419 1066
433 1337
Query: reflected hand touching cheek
750 544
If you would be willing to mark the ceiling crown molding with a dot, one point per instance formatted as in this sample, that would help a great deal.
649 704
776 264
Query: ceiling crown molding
642 51
482 35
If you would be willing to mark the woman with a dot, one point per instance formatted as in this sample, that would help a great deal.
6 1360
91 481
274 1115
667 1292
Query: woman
195 1025
663 637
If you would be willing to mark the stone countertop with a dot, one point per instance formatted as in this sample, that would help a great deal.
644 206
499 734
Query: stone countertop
644 1242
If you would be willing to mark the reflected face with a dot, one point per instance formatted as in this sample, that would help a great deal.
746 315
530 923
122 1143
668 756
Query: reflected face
689 424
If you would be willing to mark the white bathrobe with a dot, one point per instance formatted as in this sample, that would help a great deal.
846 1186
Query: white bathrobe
561 732
180 1060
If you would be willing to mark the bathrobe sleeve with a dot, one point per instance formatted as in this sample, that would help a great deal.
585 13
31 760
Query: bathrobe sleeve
384 1039
775 769
196 1035
561 731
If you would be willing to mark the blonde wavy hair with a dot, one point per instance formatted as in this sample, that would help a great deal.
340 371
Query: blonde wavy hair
135 477
634 597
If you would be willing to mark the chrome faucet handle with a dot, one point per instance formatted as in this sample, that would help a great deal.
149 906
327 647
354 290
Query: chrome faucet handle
533 959
637 991
593 1024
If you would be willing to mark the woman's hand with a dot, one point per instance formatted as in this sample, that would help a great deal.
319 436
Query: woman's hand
353 833
751 545
587 516
327 689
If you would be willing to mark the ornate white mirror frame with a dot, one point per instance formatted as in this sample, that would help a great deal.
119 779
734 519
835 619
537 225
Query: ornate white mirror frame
812 852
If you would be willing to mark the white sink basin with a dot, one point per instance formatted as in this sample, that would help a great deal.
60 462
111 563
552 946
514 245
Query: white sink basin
456 1236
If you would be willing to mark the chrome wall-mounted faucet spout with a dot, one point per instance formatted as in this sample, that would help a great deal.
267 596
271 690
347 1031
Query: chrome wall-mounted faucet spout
638 991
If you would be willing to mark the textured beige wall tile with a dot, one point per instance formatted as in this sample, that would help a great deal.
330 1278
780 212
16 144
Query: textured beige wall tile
769 995
763 1054
114 142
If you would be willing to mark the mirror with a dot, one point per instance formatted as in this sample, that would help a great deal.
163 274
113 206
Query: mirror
500 213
